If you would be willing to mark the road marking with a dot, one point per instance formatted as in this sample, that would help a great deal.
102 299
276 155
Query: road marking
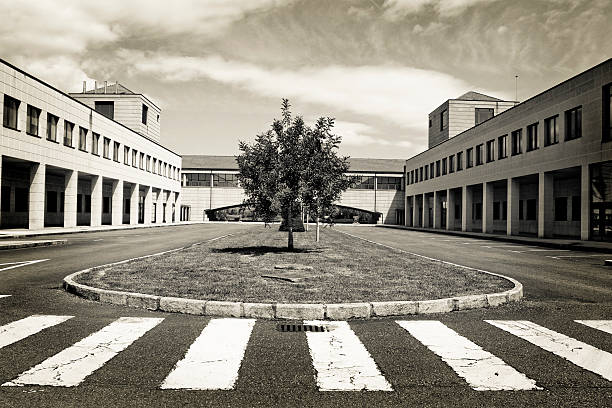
20 329
213 360
481 369
576 256
99 239
603 325
11 265
3 296
577 352
341 360
71 366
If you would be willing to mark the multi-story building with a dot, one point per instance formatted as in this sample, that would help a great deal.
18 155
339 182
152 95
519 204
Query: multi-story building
542 167
69 160
210 190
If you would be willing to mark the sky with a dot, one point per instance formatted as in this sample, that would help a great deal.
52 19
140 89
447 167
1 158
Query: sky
219 68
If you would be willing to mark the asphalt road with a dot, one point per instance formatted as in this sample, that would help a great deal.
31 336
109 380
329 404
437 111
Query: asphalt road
277 369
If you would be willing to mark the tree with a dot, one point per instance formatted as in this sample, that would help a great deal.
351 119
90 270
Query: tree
292 166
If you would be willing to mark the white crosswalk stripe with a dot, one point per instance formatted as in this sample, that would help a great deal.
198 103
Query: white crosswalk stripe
3 296
213 360
603 325
20 329
481 369
341 360
71 366
577 352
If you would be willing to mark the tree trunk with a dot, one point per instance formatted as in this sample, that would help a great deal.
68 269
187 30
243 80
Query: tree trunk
307 217
289 230
317 229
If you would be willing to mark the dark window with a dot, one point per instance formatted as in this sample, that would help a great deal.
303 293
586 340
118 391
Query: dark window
106 108
33 118
607 113
116 151
106 205
141 163
517 141
573 123
426 172
21 199
95 143
532 209
359 182
576 213
451 163
502 147
389 183
483 114
126 155
443 119
10 112
477 211
106 148
551 131
148 163
68 127
521 210
82 139
438 168
87 203
5 197
79 203
62 201
429 122
457 211
444 168
51 201
52 127
134 158
421 173
469 158
126 207
496 208
504 210
490 150
532 137
145 113
459 161
560 208
231 180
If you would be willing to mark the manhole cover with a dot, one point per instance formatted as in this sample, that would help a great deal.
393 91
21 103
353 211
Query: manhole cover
292 327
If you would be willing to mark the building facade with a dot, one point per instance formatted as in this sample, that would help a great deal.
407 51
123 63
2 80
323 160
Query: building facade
64 163
541 168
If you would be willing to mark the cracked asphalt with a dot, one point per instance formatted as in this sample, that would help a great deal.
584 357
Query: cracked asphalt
277 368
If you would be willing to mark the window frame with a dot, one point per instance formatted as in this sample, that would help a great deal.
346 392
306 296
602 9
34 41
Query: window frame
145 114
106 147
532 137
490 151
555 130
573 125
502 147
516 135
10 112
95 143
82 139
68 140
443 119
33 124
52 125
459 161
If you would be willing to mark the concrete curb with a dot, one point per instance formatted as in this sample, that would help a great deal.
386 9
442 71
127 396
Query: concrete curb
31 244
289 311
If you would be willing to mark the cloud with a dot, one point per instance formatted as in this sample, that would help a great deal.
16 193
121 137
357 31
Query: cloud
397 9
360 134
401 95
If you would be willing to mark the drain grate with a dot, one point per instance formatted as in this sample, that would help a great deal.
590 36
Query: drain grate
292 327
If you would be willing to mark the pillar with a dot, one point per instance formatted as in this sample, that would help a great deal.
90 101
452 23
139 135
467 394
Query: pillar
425 215
415 212
36 206
545 205
512 222
117 203
169 199
177 206
437 210
407 211
159 207
585 202
96 201
148 204
450 209
466 208
487 207
134 197
71 178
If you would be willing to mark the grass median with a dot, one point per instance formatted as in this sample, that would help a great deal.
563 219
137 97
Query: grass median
255 266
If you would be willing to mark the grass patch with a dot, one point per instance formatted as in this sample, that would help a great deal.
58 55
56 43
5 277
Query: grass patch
338 269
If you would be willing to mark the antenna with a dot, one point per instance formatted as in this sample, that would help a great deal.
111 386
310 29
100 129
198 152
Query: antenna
516 88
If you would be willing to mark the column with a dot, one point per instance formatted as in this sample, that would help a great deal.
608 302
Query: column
585 202
487 207
96 201
177 206
450 209
425 215
37 196
159 208
169 199
437 210
71 178
117 203
512 222
134 197
415 211
148 195
545 205
407 211
466 208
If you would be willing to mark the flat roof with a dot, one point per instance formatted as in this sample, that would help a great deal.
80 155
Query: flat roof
195 161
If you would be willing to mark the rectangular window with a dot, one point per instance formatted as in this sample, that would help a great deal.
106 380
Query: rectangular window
430 122
52 127
126 155
80 203
483 114
360 182
141 162
521 210
502 147
68 128
504 210
10 112
551 131
426 172
148 163
496 212
127 205
479 154
22 198
459 161
33 118
443 119
199 179
5 196
95 143
106 108
145 113
451 163
444 166
154 166
532 137
106 148
421 173
82 139
560 208
106 205
52 201
431 170
437 168
469 158
387 183
231 180
517 141
532 209
116 147
476 211
457 211
87 203
607 113
576 213
134 158
490 150
573 123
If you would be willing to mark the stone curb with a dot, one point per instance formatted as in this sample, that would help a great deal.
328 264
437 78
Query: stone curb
289 311
32 244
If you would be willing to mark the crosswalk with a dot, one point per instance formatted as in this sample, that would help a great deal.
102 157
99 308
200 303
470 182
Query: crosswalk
3 296
340 359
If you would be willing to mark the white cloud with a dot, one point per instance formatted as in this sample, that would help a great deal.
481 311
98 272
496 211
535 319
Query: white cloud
360 134
397 9
402 95
61 72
